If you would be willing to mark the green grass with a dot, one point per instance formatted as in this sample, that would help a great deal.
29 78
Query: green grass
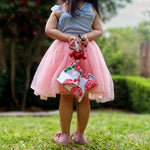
105 131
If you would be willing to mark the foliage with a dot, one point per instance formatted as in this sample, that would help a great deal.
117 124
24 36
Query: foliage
22 18
23 43
120 48
131 93
4 90
105 130
139 94
143 29
22 40
108 8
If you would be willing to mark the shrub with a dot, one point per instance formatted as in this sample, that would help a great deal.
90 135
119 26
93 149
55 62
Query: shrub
22 44
139 94
132 93
23 18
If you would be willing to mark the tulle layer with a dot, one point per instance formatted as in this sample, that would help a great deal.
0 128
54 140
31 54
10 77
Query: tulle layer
57 59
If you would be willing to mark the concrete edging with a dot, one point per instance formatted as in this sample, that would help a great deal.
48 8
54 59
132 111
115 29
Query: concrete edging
22 114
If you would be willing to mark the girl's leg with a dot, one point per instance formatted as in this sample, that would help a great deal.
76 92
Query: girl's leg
65 113
83 112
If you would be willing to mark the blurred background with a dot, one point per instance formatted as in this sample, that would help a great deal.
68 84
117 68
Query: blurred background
125 46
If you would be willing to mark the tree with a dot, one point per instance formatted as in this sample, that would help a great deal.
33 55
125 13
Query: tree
121 50
108 8
143 30
22 40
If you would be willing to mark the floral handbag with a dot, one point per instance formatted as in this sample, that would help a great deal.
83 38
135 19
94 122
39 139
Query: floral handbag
73 78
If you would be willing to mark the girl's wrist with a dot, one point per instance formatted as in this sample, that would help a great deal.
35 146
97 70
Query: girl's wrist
66 37
72 39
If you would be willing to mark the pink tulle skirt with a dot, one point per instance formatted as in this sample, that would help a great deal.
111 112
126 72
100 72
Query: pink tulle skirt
57 59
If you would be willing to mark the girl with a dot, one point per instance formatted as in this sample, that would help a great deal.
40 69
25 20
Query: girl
67 20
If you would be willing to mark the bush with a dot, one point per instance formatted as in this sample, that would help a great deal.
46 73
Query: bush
22 44
23 18
139 94
132 93
119 46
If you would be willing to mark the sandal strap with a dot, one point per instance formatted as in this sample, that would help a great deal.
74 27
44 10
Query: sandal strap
73 134
58 134
80 138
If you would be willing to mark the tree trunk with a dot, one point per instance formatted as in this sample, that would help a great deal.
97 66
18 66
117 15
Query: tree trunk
28 67
30 59
2 56
13 73
145 59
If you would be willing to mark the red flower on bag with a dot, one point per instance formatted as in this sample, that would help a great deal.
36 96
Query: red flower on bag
78 49
78 79
69 81
90 84
77 68
77 55
85 76
76 91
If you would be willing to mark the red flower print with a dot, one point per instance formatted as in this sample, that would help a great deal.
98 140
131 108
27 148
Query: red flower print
75 80
85 76
78 79
69 81
76 91
90 84
77 55
77 68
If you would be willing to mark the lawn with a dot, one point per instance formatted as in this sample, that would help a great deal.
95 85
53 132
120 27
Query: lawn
105 131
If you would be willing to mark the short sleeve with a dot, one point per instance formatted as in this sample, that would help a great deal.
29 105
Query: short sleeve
57 8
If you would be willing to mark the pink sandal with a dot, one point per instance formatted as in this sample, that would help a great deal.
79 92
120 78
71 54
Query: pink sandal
63 140
79 139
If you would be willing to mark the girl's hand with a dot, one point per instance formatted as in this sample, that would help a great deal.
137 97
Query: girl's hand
72 40
86 40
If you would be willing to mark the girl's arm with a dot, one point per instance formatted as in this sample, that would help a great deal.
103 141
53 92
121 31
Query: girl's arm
97 31
51 29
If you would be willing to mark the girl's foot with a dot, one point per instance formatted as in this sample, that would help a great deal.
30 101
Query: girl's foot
78 138
62 139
